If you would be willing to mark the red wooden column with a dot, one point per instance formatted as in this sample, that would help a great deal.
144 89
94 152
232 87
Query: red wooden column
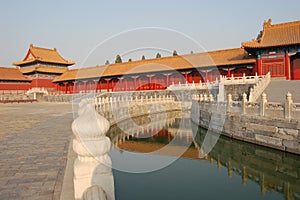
186 77
228 75
70 88
259 65
95 85
125 83
167 81
139 83
107 84
121 84
150 82
75 87
287 66
206 75
134 82
100 85
84 86
66 88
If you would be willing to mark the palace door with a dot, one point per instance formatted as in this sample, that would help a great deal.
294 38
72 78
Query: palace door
273 63
295 66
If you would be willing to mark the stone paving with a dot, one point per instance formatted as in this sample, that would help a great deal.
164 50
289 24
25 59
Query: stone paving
34 142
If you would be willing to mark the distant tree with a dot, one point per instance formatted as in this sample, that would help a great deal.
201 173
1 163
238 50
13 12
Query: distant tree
106 62
129 60
158 55
259 35
192 52
143 57
118 59
175 53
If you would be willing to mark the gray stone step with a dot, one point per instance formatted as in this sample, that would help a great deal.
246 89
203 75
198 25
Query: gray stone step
278 88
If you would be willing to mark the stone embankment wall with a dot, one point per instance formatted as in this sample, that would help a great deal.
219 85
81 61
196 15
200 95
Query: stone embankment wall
231 119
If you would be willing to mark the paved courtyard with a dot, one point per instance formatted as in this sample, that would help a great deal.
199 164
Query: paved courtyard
34 142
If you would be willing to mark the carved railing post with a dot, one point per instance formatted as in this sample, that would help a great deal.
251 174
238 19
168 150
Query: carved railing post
288 106
92 167
211 98
244 101
229 102
263 103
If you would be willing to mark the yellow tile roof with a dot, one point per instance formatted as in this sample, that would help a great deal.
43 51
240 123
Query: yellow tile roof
39 68
43 55
12 74
208 59
276 35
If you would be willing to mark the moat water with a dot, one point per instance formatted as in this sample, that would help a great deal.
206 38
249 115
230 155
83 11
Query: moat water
161 158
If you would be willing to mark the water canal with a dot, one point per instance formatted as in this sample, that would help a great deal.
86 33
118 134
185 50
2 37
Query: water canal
160 157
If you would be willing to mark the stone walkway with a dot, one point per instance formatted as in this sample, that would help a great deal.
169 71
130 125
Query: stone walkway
34 142
278 88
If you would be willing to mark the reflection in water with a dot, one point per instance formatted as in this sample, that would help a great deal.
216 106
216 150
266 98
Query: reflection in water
276 174
272 170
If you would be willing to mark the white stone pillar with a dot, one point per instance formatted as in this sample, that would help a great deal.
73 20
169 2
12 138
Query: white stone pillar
244 101
288 106
211 98
92 167
201 97
205 97
229 102
263 103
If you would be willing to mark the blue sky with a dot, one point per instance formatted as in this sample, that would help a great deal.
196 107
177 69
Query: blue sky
77 27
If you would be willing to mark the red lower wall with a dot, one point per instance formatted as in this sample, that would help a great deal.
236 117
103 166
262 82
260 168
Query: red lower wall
15 86
44 83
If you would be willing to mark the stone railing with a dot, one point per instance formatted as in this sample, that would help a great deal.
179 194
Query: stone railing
287 110
259 87
240 79
192 86
37 90
116 108
276 125
222 80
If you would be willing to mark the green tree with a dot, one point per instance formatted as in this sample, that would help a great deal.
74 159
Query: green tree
118 59
192 52
158 55
143 57
129 60
106 62
175 53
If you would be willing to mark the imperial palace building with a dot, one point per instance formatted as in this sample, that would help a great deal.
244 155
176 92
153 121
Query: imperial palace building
275 50
42 66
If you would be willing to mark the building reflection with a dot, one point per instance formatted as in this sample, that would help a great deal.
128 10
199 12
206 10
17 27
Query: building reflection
272 170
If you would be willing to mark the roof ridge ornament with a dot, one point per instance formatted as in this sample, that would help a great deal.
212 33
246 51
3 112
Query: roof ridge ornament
268 23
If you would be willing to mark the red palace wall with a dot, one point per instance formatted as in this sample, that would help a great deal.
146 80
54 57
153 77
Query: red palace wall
15 86
44 83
